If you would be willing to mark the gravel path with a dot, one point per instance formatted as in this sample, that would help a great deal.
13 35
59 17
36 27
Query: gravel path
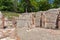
38 34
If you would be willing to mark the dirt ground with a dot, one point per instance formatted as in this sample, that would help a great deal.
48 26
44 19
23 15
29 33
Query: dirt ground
38 34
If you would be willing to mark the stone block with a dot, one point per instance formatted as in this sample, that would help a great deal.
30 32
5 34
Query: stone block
51 17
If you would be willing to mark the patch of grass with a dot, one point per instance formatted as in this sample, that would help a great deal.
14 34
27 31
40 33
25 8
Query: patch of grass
10 14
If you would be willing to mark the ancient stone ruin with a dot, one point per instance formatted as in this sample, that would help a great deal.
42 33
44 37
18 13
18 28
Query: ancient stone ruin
44 19
7 28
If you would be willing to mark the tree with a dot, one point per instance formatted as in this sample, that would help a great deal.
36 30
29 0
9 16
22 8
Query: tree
56 3
34 5
44 5
25 5
15 5
6 5
21 6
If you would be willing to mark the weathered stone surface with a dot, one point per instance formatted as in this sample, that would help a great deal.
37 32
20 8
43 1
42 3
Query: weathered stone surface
47 20
7 32
0 19
25 20
8 38
51 17
38 15
1 14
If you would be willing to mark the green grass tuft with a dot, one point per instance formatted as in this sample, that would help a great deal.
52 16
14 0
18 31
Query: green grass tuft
10 14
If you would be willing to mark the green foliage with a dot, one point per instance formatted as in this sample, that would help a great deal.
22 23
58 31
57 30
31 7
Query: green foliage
34 5
27 5
21 6
10 14
56 3
6 5
44 5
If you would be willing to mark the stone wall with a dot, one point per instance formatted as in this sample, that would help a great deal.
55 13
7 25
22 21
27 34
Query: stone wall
25 20
38 15
45 19
51 18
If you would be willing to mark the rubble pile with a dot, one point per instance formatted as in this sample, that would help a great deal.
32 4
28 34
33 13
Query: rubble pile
7 29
